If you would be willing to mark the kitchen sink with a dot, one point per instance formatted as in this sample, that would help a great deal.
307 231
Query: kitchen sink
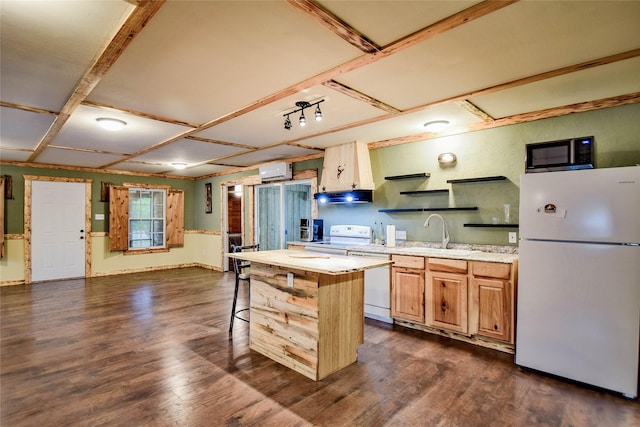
437 251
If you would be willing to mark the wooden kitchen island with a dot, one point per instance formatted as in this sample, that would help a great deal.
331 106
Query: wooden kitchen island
307 309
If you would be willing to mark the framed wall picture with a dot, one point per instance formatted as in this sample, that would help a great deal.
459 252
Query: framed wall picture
208 207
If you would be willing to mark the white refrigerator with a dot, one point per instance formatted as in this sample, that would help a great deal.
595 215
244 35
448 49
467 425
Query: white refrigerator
579 276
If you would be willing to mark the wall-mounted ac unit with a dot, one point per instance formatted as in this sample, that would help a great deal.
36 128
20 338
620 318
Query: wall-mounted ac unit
276 171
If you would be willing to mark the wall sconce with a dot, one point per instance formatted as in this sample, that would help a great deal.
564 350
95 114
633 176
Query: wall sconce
302 121
111 124
447 159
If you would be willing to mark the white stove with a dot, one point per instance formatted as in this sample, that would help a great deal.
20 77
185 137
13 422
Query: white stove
342 237
350 235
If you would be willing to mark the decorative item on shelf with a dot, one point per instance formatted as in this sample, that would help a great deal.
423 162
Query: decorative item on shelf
507 213
109 123
302 121
447 160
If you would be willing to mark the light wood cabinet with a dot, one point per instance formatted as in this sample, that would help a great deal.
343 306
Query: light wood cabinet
492 301
467 300
446 294
407 288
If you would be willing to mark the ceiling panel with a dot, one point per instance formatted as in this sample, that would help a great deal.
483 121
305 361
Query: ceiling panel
269 154
140 167
196 61
406 124
48 45
57 156
512 46
14 155
201 170
595 83
187 151
82 131
23 129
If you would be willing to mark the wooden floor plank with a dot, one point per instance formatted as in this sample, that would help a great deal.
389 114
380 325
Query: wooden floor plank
153 349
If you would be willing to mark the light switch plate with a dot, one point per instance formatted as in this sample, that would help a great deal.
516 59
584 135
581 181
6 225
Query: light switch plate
99 217
513 237
290 280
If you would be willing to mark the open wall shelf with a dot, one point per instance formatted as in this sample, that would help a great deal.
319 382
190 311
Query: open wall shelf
483 179
410 176
471 208
424 192
493 225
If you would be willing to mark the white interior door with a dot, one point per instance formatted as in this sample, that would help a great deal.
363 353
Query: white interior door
57 230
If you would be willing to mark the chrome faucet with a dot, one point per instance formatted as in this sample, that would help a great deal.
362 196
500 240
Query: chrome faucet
445 233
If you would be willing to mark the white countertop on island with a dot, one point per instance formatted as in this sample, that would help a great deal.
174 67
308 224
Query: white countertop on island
316 262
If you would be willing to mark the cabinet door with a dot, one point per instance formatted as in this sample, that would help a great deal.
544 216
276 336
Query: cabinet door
447 301
407 294
491 308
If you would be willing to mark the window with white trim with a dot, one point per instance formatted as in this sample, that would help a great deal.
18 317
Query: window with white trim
146 218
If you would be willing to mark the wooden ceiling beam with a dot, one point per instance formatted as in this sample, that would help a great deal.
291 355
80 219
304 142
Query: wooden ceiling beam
446 24
581 107
139 114
355 94
508 85
135 22
475 110
27 108
335 25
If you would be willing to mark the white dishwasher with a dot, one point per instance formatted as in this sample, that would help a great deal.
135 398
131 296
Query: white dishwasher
377 288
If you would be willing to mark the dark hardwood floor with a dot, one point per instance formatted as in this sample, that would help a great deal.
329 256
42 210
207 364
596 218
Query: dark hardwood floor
153 349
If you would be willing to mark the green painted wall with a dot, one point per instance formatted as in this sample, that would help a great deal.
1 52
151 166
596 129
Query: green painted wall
15 207
491 152
212 221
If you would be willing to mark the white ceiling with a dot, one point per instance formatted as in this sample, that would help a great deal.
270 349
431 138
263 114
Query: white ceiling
207 82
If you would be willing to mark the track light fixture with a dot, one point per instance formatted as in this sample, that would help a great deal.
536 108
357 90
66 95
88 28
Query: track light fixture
302 121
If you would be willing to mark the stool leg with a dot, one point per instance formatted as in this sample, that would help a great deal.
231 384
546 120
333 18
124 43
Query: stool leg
233 306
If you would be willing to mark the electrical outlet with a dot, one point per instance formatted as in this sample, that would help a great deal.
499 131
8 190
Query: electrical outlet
513 237
401 235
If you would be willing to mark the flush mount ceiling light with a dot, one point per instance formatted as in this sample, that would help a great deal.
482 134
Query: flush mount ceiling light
436 125
179 165
302 121
447 159
111 124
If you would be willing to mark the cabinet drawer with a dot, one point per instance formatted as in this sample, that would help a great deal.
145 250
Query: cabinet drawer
407 261
447 265
491 269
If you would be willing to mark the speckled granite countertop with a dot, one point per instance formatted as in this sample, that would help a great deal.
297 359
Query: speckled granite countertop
469 252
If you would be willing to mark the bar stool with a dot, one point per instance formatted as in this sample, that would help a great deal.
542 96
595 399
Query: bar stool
239 267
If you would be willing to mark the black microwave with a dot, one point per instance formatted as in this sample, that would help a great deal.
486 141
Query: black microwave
565 154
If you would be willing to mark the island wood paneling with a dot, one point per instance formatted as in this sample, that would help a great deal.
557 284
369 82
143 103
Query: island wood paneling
314 327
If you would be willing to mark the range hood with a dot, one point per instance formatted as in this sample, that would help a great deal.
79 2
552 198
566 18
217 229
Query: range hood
346 175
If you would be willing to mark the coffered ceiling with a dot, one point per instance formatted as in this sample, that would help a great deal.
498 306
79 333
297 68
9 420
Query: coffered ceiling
207 83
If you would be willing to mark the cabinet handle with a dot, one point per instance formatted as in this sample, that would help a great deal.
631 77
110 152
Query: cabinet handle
495 327
443 284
